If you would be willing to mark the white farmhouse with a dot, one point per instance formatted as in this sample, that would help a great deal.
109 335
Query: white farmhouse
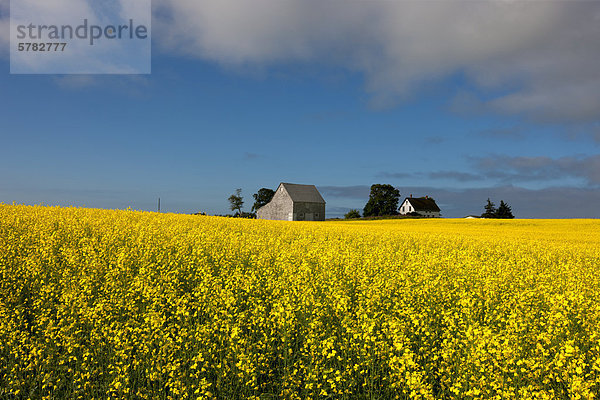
424 206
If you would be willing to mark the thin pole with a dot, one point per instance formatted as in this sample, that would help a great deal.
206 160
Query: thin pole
159 204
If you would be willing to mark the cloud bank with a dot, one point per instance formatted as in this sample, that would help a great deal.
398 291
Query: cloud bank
504 169
524 169
537 59
533 58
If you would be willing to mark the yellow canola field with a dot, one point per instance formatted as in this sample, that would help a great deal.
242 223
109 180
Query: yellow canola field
124 304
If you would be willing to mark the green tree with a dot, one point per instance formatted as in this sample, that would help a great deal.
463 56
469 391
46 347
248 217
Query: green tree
352 214
236 201
490 210
383 200
504 211
262 197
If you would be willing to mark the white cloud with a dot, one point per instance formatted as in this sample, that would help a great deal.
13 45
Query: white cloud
538 59
541 54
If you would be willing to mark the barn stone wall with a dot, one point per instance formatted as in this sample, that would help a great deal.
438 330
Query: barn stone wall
309 211
282 207
279 208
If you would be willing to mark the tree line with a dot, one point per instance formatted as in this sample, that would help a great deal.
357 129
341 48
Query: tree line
503 211
384 198
383 201
261 198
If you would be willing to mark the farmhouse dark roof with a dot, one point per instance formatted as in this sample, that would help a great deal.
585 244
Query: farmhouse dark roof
423 204
303 193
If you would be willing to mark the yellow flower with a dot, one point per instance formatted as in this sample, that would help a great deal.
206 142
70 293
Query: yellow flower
106 303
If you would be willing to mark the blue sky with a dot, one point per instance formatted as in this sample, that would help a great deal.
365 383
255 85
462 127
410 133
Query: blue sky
495 99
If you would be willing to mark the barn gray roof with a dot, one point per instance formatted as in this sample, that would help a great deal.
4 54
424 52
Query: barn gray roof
423 204
303 193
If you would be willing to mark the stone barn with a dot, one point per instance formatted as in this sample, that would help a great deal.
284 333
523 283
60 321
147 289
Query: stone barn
293 202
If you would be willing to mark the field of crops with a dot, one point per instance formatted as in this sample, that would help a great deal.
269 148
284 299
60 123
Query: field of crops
123 304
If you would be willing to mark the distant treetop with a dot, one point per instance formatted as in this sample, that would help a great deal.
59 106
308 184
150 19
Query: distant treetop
503 211
383 200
